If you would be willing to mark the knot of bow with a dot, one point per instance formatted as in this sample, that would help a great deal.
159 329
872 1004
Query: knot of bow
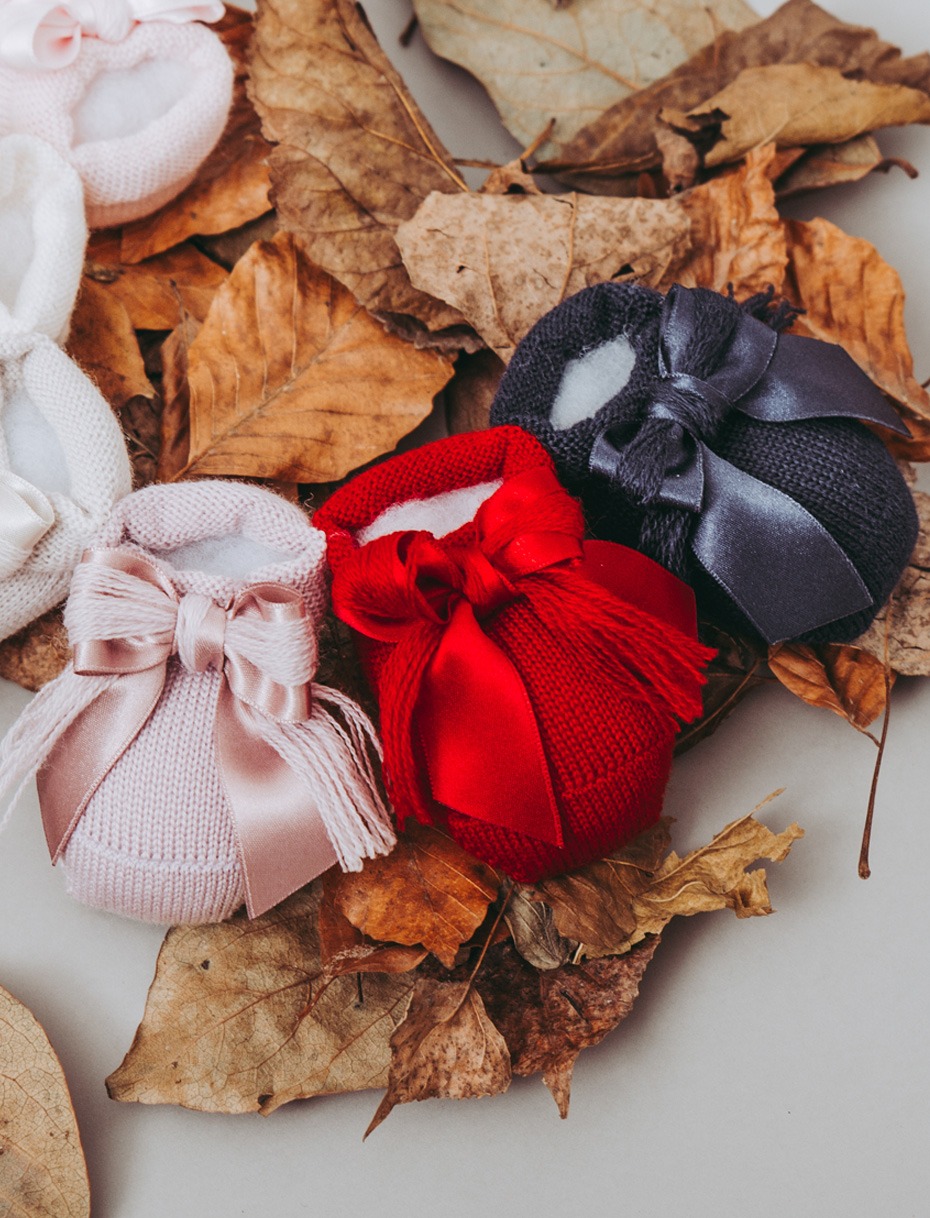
776 561
26 515
43 34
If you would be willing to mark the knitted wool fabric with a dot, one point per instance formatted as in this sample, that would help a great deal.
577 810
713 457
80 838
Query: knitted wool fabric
606 735
836 469
63 462
136 118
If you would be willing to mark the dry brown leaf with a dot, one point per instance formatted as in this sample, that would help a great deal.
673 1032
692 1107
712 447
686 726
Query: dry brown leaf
103 342
239 1018
736 235
622 140
547 1018
533 931
334 105
844 679
155 292
174 449
141 423
794 105
505 260
737 668
834 164
851 296
469 394
570 63
343 947
232 185
291 379
426 891
36 654
42 1169
447 1048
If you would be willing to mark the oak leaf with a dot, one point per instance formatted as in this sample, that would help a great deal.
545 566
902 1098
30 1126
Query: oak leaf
573 62
847 680
335 107
36 654
505 260
426 891
103 343
447 1048
42 1169
239 1018
291 379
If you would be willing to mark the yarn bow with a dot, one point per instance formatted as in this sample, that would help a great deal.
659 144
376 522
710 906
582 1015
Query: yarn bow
45 34
783 569
26 515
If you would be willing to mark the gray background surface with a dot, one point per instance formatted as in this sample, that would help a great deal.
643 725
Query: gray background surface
775 1067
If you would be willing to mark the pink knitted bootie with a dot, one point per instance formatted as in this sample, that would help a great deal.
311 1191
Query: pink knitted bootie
187 763
134 93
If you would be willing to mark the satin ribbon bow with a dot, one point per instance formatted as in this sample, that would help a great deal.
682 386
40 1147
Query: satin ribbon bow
43 34
265 649
777 562
26 516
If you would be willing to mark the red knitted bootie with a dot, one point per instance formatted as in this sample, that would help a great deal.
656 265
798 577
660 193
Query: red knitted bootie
530 684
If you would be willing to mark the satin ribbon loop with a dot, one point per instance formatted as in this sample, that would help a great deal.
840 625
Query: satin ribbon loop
26 515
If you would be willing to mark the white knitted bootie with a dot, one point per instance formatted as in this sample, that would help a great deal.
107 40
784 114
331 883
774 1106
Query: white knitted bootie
63 461
133 93
189 762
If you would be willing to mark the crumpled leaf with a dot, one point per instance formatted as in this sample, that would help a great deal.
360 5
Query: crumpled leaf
532 928
426 891
737 668
447 1048
547 1018
231 187
908 631
794 104
622 141
834 164
331 101
239 1018
103 343
291 379
36 654
505 260
847 680
574 62
42 1169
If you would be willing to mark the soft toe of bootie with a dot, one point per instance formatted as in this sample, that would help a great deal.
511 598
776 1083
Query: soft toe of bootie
134 95
63 461
529 684
188 761
729 452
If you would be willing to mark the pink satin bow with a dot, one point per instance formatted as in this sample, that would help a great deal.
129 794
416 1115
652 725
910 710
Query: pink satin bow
43 34
264 633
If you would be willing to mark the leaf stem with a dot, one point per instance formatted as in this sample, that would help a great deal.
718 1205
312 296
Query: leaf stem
864 869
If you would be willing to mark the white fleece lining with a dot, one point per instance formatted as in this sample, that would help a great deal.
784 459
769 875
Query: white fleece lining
231 555
125 101
34 449
438 514
591 380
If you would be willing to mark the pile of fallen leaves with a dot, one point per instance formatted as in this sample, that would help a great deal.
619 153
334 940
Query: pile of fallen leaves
327 282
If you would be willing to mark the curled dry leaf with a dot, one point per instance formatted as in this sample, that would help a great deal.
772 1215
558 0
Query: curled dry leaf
426 891
833 164
847 680
331 101
533 931
505 260
547 1018
737 668
344 949
572 63
291 379
446 1048
240 1019
42 1169
103 343
36 654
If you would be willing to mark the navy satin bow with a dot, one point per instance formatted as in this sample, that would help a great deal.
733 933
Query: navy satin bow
778 563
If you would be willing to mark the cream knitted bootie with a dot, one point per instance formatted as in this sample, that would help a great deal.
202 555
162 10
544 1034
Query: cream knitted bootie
133 93
188 761
63 462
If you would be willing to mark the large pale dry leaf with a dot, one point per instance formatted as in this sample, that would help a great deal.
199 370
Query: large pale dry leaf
795 105
42 1170
505 260
547 1018
906 618
239 1018
232 185
849 681
426 891
834 164
736 236
354 156
622 140
36 654
103 343
851 296
446 1048
291 379
570 63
